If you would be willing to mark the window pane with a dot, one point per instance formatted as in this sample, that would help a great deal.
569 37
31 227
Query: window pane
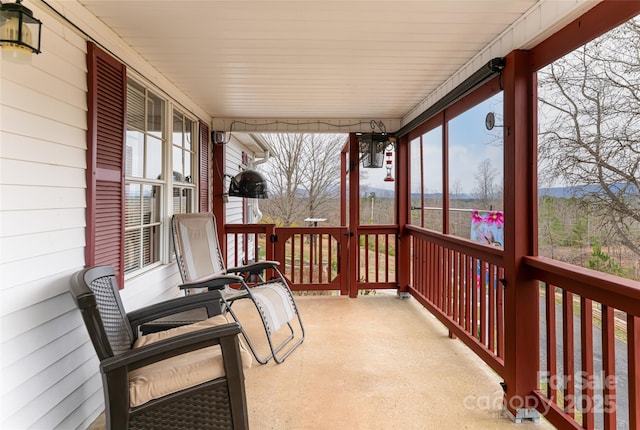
151 205
177 129
188 130
134 154
475 165
150 245
416 182
188 157
132 250
178 171
154 158
135 106
132 205
432 165
155 114
182 200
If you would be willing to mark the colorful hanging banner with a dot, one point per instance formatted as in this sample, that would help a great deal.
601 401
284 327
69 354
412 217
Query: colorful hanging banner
488 227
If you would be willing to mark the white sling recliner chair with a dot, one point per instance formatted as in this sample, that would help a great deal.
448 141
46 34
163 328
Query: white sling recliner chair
201 265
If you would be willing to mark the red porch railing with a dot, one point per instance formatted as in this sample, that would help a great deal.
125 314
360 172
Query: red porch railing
377 257
314 258
249 242
591 379
584 314
459 282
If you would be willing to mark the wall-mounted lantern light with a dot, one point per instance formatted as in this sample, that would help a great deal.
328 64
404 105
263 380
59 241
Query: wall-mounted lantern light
19 33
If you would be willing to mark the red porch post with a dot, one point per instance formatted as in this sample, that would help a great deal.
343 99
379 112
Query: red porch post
403 202
344 162
218 192
354 213
521 356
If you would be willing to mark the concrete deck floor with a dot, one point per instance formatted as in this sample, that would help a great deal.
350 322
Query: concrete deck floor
375 362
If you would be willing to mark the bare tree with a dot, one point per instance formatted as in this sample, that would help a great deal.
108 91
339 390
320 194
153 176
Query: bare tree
285 178
321 172
303 175
590 128
456 188
486 189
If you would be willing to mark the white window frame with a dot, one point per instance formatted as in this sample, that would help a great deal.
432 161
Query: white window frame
166 183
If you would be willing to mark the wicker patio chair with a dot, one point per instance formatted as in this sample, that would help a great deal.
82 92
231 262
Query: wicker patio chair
201 265
189 377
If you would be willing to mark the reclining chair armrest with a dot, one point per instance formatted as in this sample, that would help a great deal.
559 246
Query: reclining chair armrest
215 282
255 268
171 347
209 300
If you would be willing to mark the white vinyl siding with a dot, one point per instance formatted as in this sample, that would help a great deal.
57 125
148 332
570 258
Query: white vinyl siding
48 370
48 367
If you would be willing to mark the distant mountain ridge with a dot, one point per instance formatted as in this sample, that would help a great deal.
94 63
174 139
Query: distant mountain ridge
557 192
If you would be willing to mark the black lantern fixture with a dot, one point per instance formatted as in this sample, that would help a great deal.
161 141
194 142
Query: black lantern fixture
372 147
250 184
19 32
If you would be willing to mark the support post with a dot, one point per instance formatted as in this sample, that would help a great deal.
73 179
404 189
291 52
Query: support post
354 213
403 204
521 357
219 193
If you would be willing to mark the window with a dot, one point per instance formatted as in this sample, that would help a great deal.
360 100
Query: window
146 176
426 180
588 162
475 167
183 156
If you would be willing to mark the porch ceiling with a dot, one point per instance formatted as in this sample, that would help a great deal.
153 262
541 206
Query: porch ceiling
325 60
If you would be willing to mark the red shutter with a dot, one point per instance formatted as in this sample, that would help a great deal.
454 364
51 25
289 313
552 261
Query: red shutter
205 170
107 88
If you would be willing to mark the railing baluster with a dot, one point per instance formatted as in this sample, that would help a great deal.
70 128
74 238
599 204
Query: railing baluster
568 353
586 339
469 295
462 280
235 249
245 250
456 286
330 258
386 257
448 282
500 305
321 238
482 296
633 356
550 305
492 307
294 266
609 367
474 299
439 285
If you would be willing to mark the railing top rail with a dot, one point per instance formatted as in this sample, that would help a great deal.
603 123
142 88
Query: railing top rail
248 228
610 290
490 254
378 228
312 230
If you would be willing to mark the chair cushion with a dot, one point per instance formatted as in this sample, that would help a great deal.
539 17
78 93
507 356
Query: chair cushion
178 373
